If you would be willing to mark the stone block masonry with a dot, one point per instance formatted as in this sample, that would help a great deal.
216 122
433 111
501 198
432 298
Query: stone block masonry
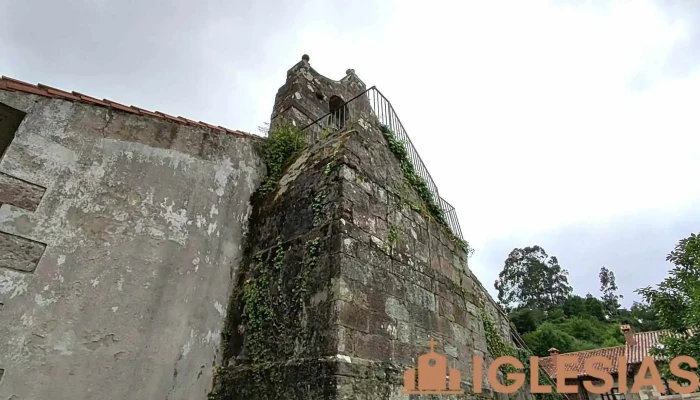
119 238
19 193
124 272
385 279
18 253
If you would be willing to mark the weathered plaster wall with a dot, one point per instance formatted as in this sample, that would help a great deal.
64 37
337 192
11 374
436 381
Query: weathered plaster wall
120 235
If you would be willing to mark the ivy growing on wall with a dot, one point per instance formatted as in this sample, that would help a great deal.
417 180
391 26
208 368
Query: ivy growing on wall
274 296
281 144
409 172
259 307
498 347
420 186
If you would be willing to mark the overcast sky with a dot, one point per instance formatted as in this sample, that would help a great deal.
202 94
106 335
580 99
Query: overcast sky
567 124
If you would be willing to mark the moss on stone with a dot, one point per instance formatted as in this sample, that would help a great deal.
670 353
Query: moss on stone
281 144
498 347
298 379
418 184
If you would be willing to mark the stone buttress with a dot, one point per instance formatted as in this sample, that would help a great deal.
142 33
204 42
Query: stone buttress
344 278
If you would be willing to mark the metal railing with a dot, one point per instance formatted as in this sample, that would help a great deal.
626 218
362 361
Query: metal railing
372 107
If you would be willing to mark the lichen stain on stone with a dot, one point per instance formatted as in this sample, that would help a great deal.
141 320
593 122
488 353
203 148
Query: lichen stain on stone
65 344
186 349
16 218
200 221
292 173
12 282
26 320
211 228
213 211
42 302
176 220
220 308
221 176
18 350
212 337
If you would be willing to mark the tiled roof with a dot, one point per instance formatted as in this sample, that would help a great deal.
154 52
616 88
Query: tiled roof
15 85
611 353
645 341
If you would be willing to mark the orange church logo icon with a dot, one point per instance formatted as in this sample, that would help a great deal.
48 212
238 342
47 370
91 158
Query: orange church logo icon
432 375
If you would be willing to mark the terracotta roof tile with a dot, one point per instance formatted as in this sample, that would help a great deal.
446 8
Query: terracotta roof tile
121 107
145 112
28 89
11 84
611 353
17 81
57 92
91 100
169 117
212 126
645 341
189 121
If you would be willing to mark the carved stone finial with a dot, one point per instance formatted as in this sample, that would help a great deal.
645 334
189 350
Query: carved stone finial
350 72
305 57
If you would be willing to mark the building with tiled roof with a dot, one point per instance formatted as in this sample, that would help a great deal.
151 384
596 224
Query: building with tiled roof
637 347
15 85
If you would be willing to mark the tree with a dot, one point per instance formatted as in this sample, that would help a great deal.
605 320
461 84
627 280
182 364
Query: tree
526 319
608 287
588 307
676 302
548 336
531 278
644 317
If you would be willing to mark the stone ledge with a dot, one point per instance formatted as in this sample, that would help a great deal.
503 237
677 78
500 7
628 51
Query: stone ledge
18 253
19 193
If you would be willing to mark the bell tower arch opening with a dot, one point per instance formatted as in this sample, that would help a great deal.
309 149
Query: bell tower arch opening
338 112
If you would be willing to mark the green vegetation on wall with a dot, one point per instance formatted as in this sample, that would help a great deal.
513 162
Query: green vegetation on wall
276 151
418 184
498 347
414 180
274 297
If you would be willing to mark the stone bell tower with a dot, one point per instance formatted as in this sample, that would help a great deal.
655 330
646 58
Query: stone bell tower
308 97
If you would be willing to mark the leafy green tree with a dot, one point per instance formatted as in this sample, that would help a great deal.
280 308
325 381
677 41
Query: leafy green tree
644 317
555 314
676 301
577 306
532 278
595 307
526 319
608 287
548 335
641 316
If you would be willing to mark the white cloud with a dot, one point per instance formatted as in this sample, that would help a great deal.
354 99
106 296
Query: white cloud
527 119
